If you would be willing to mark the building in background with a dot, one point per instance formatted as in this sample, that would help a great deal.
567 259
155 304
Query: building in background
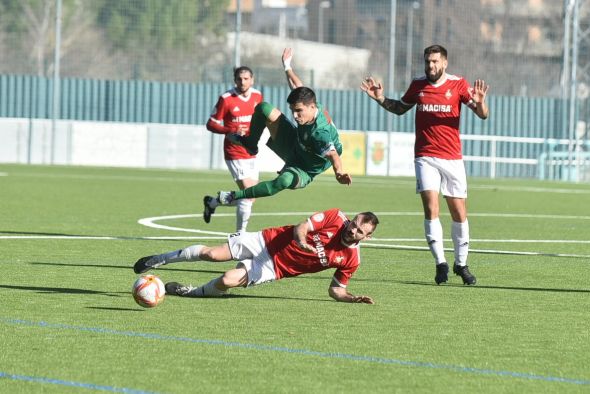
281 18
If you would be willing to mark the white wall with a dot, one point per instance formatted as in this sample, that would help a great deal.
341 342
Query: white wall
118 145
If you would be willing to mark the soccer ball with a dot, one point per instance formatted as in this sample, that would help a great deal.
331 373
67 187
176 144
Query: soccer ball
148 291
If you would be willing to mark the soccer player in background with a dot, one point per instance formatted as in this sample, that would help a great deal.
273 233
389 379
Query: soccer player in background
438 160
325 240
232 115
308 148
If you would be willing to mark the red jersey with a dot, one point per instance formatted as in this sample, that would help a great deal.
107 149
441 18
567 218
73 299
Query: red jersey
232 110
325 236
437 115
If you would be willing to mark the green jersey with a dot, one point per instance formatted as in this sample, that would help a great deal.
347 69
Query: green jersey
314 141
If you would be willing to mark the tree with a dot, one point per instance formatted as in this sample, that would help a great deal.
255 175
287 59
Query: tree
154 29
31 24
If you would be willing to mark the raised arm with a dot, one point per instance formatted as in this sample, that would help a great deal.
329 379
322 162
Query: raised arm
340 294
292 78
374 90
480 90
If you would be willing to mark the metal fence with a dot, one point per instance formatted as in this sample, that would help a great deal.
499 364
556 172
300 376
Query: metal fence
165 61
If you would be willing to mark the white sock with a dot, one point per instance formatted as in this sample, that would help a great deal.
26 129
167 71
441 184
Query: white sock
460 235
213 203
434 237
190 253
207 290
243 213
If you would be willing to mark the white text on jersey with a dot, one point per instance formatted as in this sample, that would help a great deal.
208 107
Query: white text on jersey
434 107
319 247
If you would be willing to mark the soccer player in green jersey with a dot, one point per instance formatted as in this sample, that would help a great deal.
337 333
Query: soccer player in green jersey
308 149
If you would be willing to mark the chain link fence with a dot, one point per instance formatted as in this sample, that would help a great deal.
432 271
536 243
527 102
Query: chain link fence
534 49
516 45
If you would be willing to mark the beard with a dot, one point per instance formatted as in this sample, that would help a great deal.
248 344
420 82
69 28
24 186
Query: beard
435 77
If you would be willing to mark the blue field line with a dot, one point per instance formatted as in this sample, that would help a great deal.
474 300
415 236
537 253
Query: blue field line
36 379
305 352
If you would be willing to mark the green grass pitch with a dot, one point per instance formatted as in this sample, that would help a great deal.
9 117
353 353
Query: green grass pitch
70 235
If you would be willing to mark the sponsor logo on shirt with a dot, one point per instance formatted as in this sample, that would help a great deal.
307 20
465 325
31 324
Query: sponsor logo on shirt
339 259
448 94
434 107
236 109
240 119
319 247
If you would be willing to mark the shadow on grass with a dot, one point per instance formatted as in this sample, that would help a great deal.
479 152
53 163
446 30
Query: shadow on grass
41 233
64 290
246 296
130 267
478 286
116 309
118 237
455 285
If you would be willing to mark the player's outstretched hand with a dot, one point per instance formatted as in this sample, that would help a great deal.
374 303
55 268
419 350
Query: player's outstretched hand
287 57
242 130
363 300
373 89
480 90
307 247
344 179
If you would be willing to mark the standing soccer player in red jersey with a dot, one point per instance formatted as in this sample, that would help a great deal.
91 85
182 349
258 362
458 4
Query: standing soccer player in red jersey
232 114
325 240
438 160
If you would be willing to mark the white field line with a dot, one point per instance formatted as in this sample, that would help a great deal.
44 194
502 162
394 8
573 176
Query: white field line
483 251
107 238
386 243
484 240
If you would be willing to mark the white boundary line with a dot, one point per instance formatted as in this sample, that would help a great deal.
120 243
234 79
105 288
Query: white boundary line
373 243
483 251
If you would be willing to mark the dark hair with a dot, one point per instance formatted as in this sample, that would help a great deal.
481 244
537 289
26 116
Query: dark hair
435 49
369 217
303 95
241 69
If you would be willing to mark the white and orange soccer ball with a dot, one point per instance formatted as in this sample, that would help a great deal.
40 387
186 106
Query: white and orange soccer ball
148 291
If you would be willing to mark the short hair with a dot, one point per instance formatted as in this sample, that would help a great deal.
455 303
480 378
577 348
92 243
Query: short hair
241 69
368 217
435 49
303 95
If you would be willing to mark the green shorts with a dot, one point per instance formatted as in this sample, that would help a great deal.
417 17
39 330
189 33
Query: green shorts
302 178
284 145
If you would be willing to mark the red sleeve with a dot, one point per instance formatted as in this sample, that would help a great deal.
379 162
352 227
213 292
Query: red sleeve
343 275
409 97
320 219
215 123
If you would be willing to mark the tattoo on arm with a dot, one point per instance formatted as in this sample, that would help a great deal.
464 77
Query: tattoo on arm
394 106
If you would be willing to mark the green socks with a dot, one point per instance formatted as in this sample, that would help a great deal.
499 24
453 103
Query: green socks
284 181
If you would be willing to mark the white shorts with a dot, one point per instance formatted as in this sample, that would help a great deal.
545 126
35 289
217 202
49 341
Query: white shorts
444 176
242 169
250 250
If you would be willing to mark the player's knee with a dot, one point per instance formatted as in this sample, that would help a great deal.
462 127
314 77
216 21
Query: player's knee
233 278
207 254
285 181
